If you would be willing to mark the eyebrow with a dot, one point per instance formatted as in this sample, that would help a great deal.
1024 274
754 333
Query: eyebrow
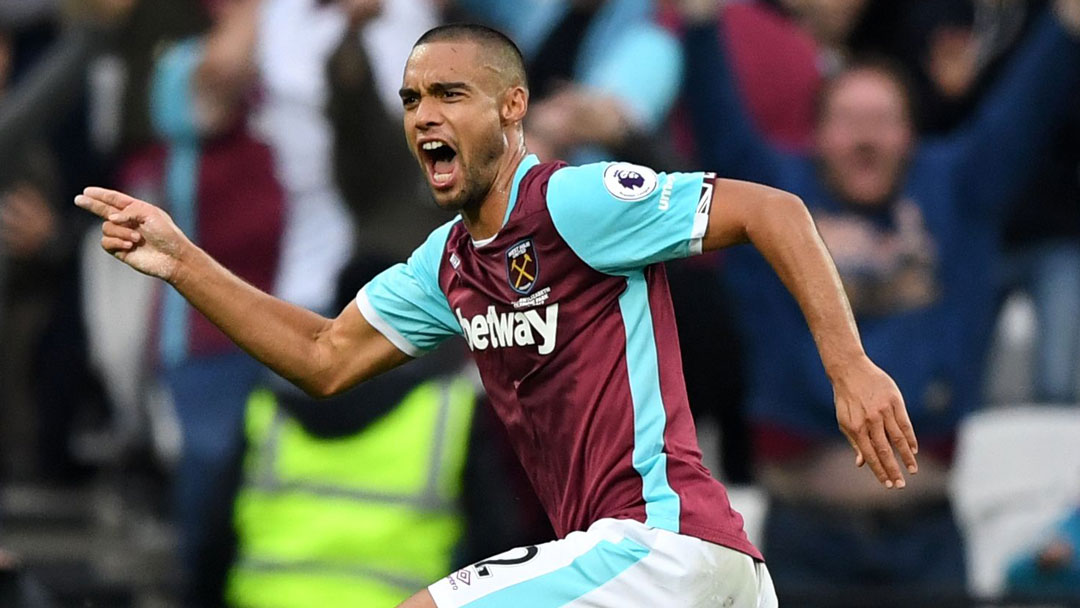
437 87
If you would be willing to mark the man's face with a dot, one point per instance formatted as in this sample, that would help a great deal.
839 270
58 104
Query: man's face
453 102
864 136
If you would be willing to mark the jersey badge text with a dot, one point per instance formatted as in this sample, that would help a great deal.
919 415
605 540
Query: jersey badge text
522 266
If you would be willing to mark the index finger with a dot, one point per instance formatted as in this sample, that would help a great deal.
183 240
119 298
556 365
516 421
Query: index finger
102 202
95 206
113 198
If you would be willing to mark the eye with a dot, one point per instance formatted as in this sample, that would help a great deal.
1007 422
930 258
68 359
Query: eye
409 100
452 94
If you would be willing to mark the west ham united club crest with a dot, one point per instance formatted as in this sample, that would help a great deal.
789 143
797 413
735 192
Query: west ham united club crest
522 266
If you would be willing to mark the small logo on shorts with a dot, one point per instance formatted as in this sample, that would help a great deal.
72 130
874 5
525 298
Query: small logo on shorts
629 182
522 266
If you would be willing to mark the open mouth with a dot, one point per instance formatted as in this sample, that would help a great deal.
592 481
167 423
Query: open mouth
441 162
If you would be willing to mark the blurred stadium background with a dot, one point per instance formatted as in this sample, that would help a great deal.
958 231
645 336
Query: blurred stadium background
146 462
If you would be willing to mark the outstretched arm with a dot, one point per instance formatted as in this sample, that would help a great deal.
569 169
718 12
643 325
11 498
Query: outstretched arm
320 355
1003 143
869 407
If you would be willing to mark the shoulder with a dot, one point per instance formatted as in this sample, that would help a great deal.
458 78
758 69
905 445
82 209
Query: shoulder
532 192
428 255
610 181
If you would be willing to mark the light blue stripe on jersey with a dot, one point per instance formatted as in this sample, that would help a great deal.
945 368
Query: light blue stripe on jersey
527 163
661 502
621 237
589 571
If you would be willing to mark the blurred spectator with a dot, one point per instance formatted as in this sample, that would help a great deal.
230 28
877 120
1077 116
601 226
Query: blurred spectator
378 176
913 231
776 64
239 220
585 61
252 80
1052 568
40 115
958 47
831 23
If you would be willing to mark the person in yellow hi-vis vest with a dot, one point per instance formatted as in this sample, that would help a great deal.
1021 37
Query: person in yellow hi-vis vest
362 519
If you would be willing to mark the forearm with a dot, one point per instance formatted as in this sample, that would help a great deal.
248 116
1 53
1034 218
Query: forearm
284 337
783 231
869 407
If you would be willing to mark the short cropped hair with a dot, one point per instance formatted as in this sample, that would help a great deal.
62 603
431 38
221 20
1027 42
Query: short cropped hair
509 56
883 66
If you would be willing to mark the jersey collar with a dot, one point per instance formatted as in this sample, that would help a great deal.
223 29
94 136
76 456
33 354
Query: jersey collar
526 163
523 167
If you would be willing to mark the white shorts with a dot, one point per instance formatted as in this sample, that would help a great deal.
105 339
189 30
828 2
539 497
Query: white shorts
616 563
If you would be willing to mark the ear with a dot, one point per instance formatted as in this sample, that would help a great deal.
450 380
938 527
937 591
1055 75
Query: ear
515 104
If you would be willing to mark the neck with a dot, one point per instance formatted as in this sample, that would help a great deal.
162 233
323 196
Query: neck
486 218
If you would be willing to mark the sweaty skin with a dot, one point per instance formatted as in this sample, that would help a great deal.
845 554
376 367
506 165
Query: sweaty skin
453 98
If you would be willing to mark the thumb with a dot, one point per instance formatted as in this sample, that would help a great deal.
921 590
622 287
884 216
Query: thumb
859 458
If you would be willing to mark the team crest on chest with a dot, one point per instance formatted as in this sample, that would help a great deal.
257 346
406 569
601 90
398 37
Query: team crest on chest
522 266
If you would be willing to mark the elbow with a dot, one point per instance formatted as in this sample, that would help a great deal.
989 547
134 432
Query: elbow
317 390
780 210
788 204
789 211
324 386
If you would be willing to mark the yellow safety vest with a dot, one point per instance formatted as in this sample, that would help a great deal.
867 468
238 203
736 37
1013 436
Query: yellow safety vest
362 520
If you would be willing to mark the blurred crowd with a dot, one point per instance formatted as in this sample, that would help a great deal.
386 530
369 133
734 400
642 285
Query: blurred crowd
936 143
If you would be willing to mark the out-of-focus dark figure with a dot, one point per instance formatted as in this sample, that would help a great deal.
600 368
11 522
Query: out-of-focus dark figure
586 60
913 228
957 48
379 179
778 66
1052 568
44 153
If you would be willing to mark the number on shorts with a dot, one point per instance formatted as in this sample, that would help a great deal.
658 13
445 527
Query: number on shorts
482 567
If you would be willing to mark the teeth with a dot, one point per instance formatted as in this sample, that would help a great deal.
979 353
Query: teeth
433 145
442 177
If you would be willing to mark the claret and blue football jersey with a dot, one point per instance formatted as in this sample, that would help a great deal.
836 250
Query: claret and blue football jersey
569 318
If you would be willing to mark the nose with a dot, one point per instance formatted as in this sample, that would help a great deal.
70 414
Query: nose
427 114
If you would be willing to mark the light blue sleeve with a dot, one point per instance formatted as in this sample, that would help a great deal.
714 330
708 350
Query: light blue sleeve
620 217
406 304
172 100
